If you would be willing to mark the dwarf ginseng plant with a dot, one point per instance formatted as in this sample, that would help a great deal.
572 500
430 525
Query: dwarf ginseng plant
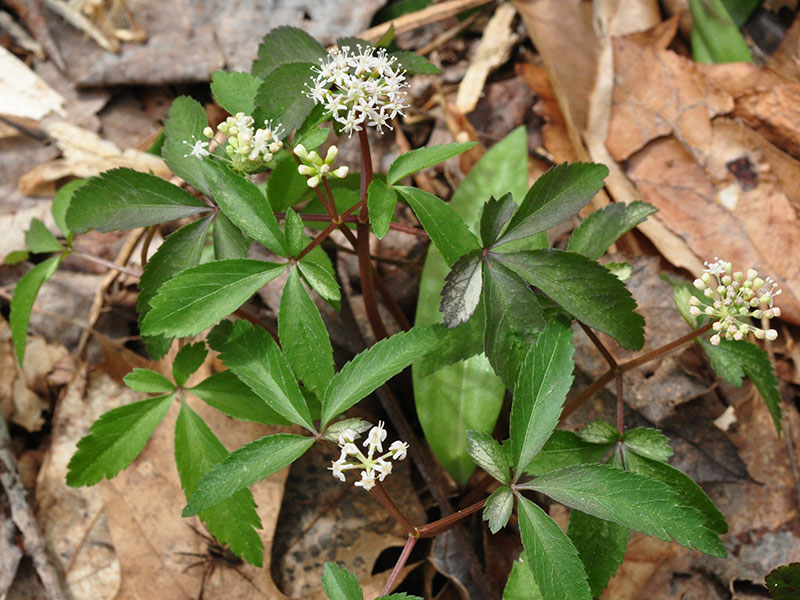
504 295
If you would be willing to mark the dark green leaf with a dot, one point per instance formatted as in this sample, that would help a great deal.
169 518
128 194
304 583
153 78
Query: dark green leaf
187 361
414 64
599 432
398 9
229 242
312 139
603 227
630 500
448 232
296 238
199 297
544 380
512 320
552 557
148 381
555 197
583 288
459 343
284 45
180 251
565 449
16 256
243 467
375 366
340 584
521 585
381 200
488 455
496 213
648 442
304 339
356 424
682 484
422 158
601 546
115 440
282 99
715 37
254 357
783 583
185 123
245 206
125 199
39 239
498 508
285 186
461 292
316 267
234 520
229 395
731 358
61 203
235 92
22 301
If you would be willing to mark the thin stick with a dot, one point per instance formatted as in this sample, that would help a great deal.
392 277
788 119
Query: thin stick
108 264
620 407
22 515
599 345
445 523
401 562
410 21
318 240
315 218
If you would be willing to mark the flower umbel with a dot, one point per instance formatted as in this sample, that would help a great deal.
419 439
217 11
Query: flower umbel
733 299
373 467
360 88
315 168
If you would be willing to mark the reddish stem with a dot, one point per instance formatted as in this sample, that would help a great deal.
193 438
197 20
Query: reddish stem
318 240
445 523
401 562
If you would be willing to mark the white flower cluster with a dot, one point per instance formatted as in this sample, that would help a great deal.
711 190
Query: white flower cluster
360 87
372 467
315 168
734 299
248 149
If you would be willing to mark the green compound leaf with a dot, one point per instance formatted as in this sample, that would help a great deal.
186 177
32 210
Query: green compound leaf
243 467
187 361
229 395
583 288
296 238
61 203
228 240
284 45
551 555
304 339
521 585
488 455
565 449
179 252
448 232
235 92
555 197
340 584
603 227
39 239
422 158
414 64
245 206
731 360
544 380
316 267
282 99
22 301
199 297
115 440
496 213
375 366
512 320
783 583
285 186
148 381
458 344
630 500
599 432
682 484
381 200
648 442
254 357
498 508
601 546
184 126
126 199
461 292
233 521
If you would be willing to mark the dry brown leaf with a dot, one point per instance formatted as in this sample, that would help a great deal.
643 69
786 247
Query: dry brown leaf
775 113
23 93
785 58
493 50
656 93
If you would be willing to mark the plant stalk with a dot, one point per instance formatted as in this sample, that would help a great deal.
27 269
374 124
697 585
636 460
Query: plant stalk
401 562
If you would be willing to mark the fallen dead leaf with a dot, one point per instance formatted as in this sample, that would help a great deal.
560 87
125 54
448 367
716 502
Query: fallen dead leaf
23 93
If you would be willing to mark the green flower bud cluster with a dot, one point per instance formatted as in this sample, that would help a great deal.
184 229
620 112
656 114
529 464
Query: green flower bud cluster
734 299
315 168
248 150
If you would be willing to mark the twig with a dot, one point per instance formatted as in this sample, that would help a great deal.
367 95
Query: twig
23 516
108 264
434 13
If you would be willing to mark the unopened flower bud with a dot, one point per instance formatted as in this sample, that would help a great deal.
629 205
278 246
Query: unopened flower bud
771 334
